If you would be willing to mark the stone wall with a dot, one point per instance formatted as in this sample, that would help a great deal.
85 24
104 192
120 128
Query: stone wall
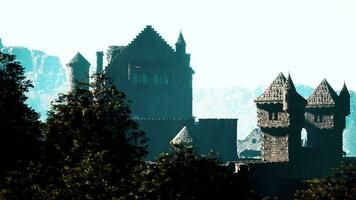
275 148
218 135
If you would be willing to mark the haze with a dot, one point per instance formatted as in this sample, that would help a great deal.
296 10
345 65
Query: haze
233 43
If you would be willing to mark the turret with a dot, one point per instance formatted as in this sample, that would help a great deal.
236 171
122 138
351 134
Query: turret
324 122
280 112
78 70
344 99
99 62
180 44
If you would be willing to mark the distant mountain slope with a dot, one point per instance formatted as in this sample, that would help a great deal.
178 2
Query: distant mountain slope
46 73
232 102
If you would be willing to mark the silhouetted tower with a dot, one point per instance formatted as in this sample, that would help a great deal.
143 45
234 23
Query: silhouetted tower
99 62
1 46
78 70
280 111
325 121
180 44
157 78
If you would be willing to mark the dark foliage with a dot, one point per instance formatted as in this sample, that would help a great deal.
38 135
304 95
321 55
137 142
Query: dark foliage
20 135
183 175
341 184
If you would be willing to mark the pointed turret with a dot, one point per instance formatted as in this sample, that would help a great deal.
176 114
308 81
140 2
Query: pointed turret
344 99
78 70
183 138
291 95
180 44
181 40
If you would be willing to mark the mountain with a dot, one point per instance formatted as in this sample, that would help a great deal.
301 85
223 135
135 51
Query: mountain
46 73
238 102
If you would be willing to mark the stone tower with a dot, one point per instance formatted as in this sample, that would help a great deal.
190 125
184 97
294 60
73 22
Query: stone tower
99 62
325 118
157 78
78 70
280 112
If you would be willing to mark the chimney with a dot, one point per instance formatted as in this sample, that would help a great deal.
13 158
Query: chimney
99 61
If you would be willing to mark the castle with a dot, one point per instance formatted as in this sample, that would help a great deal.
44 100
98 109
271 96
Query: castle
158 80
282 113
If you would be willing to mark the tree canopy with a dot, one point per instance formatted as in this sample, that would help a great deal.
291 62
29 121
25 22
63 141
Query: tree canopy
341 184
20 136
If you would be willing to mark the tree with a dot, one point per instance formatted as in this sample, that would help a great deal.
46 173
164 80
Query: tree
341 184
94 120
183 175
91 148
20 136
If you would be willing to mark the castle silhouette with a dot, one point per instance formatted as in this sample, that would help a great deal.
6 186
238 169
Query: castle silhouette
158 80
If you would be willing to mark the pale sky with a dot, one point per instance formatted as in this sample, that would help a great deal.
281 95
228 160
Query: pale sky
232 43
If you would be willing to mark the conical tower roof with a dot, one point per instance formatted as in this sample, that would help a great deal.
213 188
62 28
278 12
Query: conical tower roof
323 95
181 40
344 91
182 138
289 85
275 91
79 59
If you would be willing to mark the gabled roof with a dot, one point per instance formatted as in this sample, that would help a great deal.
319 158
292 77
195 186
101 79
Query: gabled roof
149 35
182 138
275 91
79 59
323 95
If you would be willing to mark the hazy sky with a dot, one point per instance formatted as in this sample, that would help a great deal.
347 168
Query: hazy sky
233 43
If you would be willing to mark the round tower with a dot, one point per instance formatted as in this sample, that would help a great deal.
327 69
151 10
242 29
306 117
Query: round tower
78 71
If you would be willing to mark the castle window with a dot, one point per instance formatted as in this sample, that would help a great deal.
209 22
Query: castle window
165 79
155 78
135 78
273 116
144 78
318 118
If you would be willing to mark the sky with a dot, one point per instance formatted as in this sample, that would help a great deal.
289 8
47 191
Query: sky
232 43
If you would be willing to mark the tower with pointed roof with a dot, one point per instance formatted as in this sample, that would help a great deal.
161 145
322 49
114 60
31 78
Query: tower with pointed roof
156 77
325 120
78 70
280 113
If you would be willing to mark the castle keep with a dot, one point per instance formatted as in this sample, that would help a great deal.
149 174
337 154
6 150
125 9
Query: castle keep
158 80
155 76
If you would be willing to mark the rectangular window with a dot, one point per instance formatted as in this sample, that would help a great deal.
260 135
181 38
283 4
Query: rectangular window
273 115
